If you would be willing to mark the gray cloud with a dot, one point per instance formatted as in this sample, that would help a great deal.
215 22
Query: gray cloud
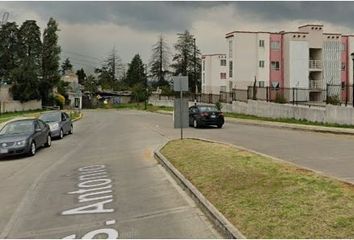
340 13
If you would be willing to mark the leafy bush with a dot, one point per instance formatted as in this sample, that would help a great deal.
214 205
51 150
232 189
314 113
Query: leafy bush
279 98
334 100
218 106
59 100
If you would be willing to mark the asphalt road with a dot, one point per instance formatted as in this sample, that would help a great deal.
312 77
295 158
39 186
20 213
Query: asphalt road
102 181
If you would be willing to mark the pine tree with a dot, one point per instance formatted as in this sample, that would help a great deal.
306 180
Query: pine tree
66 65
136 72
25 77
187 61
111 71
81 75
160 61
50 60
9 47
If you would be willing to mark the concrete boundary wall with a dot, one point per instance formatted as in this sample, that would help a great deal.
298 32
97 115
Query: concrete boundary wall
13 106
329 114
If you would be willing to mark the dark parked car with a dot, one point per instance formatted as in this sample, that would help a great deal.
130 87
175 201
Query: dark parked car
59 123
24 137
205 115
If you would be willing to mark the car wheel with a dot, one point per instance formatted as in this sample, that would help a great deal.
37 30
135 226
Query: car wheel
219 125
61 134
71 130
195 123
49 141
33 149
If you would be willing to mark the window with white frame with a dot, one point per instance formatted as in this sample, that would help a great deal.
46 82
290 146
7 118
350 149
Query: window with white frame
275 65
222 88
230 69
222 75
275 45
223 62
261 84
261 64
261 43
203 65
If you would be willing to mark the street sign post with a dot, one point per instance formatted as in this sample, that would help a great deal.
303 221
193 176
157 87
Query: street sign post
180 83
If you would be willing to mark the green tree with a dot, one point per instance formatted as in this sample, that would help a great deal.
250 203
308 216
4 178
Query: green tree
81 75
111 72
66 65
90 84
25 77
50 60
136 72
187 60
9 47
160 62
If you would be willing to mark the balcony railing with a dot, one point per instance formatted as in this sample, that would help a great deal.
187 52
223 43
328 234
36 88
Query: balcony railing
315 64
315 84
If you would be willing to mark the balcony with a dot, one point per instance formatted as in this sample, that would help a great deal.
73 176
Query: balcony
315 84
315 64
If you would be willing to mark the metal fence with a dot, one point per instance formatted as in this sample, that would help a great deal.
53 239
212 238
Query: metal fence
332 94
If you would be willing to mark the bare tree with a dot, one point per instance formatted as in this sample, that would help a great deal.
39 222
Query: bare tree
160 61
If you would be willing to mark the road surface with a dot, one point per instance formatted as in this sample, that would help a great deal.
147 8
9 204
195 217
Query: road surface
102 181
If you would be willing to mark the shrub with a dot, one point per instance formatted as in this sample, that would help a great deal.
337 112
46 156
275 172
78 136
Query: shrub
59 100
279 98
334 100
218 106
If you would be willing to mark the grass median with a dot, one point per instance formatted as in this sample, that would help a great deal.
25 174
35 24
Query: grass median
264 198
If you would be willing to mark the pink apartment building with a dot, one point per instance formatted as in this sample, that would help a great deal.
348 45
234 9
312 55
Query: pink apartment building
307 58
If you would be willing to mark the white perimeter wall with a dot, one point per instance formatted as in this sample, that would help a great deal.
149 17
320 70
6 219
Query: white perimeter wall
328 114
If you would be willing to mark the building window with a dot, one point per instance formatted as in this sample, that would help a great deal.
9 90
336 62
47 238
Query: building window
275 66
275 45
230 69
203 65
261 43
343 47
343 85
230 49
223 62
261 84
222 75
343 66
222 88
203 77
261 64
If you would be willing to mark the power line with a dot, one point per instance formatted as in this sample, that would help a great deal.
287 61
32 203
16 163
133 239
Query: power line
83 55
77 59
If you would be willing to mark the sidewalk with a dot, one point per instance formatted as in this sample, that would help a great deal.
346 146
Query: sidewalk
311 128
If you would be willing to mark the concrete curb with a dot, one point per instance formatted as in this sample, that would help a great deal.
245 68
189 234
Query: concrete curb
307 128
219 221
78 118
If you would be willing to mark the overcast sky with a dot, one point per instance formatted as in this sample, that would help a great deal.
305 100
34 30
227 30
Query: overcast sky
89 30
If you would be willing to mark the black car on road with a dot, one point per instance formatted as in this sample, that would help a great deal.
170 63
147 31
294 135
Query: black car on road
24 137
205 115
59 123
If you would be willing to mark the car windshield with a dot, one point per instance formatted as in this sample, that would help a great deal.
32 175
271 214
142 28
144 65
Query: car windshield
18 127
51 117
208 109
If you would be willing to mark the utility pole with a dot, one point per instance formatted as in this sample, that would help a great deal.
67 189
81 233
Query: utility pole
146 87
114 63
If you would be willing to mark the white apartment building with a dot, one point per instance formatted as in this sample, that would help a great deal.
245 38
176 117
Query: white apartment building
214 74
307 58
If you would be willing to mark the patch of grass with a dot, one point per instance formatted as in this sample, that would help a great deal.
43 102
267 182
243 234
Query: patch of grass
264 198
10 115
141 106
286 120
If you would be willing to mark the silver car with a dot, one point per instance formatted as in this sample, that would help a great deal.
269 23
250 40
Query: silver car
59 123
